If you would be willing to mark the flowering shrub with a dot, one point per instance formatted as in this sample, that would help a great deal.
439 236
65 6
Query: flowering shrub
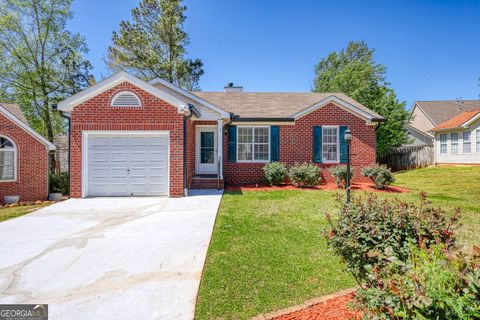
305 174
340 174
402 256
275 173
371 231
381 175
431 284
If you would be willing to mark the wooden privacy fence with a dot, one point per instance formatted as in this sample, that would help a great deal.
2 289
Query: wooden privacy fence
409 157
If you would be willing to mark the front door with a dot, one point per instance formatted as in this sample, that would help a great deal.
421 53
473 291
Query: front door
206 154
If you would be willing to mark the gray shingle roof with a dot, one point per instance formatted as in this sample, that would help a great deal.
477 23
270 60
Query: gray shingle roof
14 109
443 110
272 104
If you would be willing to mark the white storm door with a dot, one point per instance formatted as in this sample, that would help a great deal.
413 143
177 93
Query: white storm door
206 150
127 165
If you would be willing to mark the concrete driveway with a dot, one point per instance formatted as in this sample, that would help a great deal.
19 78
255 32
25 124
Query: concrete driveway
109 258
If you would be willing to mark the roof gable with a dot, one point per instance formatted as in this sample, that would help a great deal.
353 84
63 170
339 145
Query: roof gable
463 120
15 110
443 110
102 86
22 124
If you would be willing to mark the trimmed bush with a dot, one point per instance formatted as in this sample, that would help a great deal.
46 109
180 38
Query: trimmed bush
340 174
371 232
275 173
59 182
381 175
305 174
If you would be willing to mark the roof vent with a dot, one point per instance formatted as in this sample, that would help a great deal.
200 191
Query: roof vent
126 99
232 88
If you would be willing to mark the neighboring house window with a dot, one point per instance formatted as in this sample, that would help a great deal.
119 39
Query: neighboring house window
7 159
330 144
478 141
467 146
454 142
126 99
253 144
443 143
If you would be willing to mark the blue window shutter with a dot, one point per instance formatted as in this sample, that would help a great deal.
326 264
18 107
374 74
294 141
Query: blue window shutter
317 144
274 143
343 144
232 144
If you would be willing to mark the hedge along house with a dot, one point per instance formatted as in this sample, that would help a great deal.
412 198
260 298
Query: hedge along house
23 157
136 138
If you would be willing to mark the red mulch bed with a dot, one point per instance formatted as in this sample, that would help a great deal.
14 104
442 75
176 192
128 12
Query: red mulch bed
332 309
326 186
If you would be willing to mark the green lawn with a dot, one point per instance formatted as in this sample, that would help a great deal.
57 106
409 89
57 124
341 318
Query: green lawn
268 251
10 213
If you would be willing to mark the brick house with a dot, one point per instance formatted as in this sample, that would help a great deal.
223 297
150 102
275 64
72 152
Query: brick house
130 137
23 156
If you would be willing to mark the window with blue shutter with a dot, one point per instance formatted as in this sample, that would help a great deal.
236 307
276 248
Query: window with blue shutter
274 143
232 144
317 144
343 145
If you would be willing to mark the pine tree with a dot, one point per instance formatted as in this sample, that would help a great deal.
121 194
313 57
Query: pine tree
154 44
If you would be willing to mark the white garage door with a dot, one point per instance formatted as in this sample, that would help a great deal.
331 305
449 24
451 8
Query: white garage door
127 165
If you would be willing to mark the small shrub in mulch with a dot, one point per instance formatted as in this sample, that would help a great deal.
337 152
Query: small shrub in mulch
340 174
305 174
381 175
275 173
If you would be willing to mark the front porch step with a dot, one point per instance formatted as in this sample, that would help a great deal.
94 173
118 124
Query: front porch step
209 181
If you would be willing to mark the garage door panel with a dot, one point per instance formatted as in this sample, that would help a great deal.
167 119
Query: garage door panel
119 141
119 156
99 156
138 156
124 165
99 141
119 172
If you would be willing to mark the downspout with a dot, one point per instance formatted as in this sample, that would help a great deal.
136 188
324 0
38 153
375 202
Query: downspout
185 119
69 120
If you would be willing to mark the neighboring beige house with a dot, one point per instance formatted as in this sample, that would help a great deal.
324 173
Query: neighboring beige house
428 114
454 127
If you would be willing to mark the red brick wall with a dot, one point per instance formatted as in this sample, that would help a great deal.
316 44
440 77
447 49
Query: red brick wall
155 114
32 164
296 145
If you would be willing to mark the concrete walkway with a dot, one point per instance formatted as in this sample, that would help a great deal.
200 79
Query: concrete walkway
109 258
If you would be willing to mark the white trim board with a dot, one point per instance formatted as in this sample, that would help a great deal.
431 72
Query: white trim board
68 104
223 113
27 128
338 102
87 134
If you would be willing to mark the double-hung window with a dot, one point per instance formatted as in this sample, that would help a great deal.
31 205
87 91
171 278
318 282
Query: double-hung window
7 160
443 143
454 142
478 140
330 148
253 144
467 144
